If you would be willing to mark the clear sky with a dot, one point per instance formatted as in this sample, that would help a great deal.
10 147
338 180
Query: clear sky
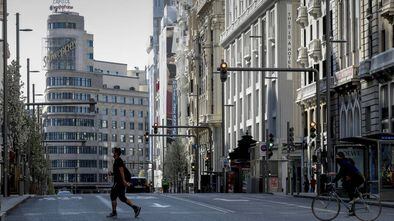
121 29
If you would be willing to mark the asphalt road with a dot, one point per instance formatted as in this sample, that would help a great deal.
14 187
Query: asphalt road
174 207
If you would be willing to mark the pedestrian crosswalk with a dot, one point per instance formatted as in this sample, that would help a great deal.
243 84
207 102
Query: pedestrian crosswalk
63 198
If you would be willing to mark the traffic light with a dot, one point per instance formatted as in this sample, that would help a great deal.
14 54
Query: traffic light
270 141
92 105
223 71
146 135
193 167
290 136
155 128
312 130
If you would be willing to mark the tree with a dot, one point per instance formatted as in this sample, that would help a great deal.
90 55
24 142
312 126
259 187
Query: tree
23 137
176 164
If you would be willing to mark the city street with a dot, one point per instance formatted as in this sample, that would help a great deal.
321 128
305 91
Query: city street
174 207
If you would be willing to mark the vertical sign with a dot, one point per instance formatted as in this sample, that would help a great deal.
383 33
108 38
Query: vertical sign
289 52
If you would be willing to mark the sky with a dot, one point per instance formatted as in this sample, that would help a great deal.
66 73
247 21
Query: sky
121 30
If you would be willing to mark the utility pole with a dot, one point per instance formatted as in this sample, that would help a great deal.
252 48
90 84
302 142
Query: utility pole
5 98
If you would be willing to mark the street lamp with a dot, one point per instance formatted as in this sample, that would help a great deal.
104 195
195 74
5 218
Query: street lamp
28 79
18 30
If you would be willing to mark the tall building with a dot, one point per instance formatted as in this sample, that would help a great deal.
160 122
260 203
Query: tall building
262 34
79 142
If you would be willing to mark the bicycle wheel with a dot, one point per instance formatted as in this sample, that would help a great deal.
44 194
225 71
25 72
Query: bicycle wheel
325 207
368 207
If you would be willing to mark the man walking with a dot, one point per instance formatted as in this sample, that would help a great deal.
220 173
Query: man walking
120 185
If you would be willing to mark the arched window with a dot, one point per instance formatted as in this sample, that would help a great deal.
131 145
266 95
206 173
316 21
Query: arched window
342 130
357 120
349 123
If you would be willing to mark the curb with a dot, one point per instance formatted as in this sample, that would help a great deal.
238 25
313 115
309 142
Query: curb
5 213
384 204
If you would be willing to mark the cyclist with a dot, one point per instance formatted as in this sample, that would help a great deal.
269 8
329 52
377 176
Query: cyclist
351 177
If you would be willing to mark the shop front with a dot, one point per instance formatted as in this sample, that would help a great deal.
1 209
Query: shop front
374 156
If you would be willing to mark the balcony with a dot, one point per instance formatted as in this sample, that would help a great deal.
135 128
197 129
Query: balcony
382 65
302 16
315 49
303 56
314 8
307 93
387 10
346 76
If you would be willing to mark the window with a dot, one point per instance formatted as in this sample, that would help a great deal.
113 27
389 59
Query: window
124 112
131 125
123 125
132 114
90 43
123 138
91 69
114 138
104 137
140 114
114 124
90 56
140 139
131 138
104 124
114 112
140 126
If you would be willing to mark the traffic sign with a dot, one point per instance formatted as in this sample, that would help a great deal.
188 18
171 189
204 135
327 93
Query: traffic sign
263 149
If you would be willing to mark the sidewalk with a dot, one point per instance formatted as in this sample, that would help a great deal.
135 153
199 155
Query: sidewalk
313 195
9 203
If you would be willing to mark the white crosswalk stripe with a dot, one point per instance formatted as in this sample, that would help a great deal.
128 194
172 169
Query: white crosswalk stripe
63 198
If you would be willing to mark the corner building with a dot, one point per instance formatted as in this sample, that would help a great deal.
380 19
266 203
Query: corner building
79 142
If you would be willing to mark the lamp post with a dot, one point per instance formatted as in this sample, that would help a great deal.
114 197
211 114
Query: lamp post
28 79
5 97
18 157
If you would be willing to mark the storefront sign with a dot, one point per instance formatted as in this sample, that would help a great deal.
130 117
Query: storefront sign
60 6
61 52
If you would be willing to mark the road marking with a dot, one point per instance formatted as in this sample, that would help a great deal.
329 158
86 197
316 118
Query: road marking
231 200
108 203
223 210
141 197
160 206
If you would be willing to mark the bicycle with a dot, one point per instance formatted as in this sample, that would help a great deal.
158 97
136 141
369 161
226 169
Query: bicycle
326 206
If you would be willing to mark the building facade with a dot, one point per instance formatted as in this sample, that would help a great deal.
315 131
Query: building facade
79 141
256 35
376 66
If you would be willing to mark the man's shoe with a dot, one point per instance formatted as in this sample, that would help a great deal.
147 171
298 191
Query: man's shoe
112 215
137 212
351 213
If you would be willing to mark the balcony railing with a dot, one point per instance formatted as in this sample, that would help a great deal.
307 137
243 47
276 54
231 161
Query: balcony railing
309 91
302 16
346 75
387 10
314 8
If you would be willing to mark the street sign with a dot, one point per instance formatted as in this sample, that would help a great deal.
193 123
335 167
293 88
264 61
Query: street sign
263 150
